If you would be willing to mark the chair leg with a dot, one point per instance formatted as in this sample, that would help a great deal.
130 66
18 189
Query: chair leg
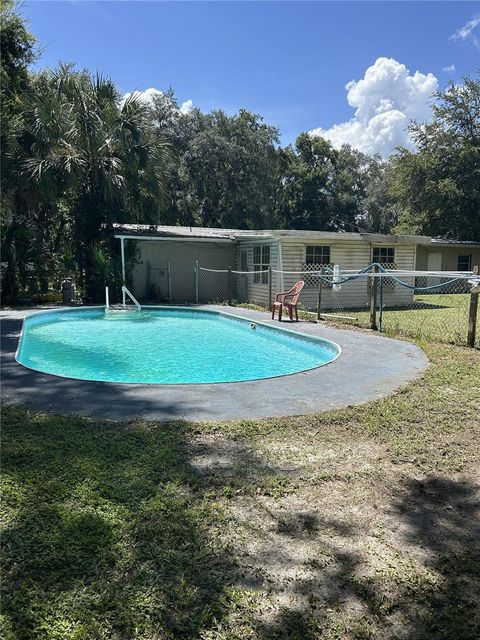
273 312
280 311
296 312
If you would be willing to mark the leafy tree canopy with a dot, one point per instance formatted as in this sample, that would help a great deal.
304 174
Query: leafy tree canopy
438 186
76 157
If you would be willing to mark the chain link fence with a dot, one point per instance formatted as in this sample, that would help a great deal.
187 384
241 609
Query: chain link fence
227 286
212 286
437 306
433 306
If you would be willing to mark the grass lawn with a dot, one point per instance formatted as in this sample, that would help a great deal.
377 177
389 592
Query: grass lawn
437 317
355 524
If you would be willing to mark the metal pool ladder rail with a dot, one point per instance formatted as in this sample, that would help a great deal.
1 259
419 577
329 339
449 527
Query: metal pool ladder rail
123 306
126 292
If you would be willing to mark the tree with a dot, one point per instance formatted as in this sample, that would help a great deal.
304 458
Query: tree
74 159
326 189
379 207
85 161
438 185
223 168
308 196
17 51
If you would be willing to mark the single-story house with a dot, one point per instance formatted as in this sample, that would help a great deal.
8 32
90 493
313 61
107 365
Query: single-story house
168 255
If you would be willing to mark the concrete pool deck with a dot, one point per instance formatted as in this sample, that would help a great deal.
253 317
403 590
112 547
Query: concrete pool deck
370 367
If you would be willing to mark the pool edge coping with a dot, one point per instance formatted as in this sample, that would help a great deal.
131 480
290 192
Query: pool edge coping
199 308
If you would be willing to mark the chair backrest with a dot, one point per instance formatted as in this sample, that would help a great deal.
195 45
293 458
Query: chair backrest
295 291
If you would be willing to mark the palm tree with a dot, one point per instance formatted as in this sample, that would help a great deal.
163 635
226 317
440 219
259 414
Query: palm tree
89 160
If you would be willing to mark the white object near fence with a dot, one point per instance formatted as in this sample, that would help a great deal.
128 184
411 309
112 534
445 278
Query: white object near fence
336 277
475 282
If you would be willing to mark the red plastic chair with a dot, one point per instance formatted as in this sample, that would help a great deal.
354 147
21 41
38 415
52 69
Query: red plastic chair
292 304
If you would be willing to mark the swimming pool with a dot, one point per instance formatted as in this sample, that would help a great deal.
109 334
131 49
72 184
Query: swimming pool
165 346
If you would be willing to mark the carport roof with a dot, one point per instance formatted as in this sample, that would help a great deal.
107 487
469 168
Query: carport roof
206 233
209 233
163 231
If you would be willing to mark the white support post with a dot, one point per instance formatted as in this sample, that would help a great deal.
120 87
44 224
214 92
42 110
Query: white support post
107 299
122 249
196 274
169 276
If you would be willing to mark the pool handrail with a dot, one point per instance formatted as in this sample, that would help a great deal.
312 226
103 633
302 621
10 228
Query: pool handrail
126 292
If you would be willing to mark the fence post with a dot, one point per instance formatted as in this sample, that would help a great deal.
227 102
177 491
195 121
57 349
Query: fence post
169 277
373 301
319 304
229 286
269 288
472 316
195 281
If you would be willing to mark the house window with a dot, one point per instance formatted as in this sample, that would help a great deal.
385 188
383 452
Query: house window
316 257
261 262
317 254
384 255
465 263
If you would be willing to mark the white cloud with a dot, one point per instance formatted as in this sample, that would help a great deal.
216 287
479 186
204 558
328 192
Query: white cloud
149 95
146 96
186 106
449 69
467 31
385 100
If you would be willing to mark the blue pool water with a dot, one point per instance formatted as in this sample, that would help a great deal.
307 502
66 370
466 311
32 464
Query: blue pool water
164 346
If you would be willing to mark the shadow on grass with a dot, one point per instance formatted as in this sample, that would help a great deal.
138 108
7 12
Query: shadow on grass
109 531
434 598
116 531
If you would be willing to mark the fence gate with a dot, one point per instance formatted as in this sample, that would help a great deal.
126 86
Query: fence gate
159 283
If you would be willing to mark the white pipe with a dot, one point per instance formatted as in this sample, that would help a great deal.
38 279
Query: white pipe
280 263
122 249
336 277
107 299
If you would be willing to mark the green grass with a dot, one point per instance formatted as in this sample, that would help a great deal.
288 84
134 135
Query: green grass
435 317
361 523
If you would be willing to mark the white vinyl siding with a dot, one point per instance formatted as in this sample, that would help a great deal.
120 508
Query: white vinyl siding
257 292
349 255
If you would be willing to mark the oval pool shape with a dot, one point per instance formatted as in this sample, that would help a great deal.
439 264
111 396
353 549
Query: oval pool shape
165 346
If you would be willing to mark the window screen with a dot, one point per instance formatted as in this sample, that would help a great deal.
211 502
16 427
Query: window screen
464 263
261 262
317 254
384 255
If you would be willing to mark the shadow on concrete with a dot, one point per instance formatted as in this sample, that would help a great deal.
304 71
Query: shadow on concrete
91 399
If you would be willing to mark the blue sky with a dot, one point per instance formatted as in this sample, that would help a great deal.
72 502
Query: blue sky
289 61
